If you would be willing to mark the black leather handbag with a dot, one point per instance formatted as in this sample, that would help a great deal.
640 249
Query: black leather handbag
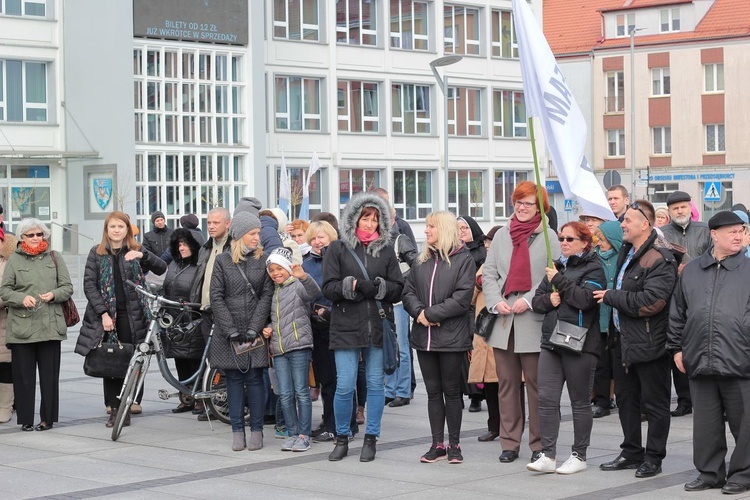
108 359
485 321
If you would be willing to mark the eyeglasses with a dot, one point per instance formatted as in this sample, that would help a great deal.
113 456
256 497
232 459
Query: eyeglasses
569 239
463 228
31 235
525 204
636 206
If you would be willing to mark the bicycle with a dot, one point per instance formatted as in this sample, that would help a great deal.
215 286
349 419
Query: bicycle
207 384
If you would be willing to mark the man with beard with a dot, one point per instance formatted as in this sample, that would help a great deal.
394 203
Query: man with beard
695 237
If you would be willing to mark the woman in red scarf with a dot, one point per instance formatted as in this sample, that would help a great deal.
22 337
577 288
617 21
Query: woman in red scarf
514 268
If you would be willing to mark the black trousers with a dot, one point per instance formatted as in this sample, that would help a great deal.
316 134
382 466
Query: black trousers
441 372
603 374
26 359
113 386
713 397
644 388
493 406
681 386
324 367
6 373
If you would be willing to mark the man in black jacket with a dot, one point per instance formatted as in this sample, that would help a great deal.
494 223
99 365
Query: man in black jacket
708 339
156 241
645 279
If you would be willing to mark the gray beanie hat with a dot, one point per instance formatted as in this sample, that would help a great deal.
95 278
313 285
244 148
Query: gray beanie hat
242 223
248 204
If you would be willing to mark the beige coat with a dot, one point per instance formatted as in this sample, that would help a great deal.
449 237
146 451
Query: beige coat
482 367
6 249
527 325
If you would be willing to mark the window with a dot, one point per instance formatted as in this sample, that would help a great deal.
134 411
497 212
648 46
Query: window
662 140
297 103
356 22
296 20
625 24
660 82
357 106
505 183
23 91
615 143
670 20
297 179
355 180
173 106
504 42
509 113
409 25
466 192
464 111
714 81
662 191
35 8
412 193
615 97
715 138
410 113
461 28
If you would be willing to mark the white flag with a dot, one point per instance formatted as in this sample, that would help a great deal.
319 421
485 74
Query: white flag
285 195
314 167
548 97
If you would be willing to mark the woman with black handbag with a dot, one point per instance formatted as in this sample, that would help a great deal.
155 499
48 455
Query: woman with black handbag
241 293
442 329
114 309
565 296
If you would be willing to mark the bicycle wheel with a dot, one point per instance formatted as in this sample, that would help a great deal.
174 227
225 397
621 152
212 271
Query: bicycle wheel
128 397
216 383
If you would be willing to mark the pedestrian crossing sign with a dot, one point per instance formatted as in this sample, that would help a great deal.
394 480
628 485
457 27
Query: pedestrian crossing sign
712 191
568 205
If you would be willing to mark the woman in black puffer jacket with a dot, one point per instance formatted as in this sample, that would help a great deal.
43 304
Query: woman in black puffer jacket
566 294
185 342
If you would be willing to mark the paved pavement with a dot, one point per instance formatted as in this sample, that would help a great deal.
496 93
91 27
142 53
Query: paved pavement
163 455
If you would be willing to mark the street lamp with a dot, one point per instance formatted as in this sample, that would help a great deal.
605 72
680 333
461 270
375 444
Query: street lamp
443 85
633 29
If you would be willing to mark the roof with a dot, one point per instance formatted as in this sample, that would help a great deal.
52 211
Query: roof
725 19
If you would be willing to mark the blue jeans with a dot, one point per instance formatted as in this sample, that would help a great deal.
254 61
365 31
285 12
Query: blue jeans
236 384
398 385
292 370
346 380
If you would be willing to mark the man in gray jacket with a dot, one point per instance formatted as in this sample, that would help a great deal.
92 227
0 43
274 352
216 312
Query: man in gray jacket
708 339
695 238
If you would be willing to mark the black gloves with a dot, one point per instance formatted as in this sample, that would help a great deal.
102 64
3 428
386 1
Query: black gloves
368 289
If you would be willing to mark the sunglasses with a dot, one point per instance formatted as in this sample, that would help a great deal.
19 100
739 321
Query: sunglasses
569 239
636 206
31 235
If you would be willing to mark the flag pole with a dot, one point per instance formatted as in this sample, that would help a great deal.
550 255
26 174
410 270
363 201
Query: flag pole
545 225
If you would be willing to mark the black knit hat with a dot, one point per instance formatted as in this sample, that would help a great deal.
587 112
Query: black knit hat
724 218
189 221
157 215
678 197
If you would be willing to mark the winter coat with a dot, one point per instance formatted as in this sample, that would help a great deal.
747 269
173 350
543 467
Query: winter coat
643 300
695 238
709 317
236 309
528 325
269 234
290 315
156 241
476 246
7 247
32 275
92 330
355 321
405 229
576 283
482 365
613 233
203 254
313 266
444 292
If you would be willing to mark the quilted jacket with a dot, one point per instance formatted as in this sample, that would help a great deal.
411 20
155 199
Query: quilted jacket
290 316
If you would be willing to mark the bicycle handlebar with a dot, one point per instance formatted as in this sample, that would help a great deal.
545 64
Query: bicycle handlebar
161 300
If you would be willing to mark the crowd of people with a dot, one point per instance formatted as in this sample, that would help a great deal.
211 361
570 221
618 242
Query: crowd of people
614 310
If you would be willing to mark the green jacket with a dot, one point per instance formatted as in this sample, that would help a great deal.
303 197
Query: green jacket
33 275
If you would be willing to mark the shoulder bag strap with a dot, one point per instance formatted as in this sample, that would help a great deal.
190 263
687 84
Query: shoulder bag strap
249 285
381 311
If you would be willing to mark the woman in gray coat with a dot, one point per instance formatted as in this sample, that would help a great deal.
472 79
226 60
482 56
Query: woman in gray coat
513 270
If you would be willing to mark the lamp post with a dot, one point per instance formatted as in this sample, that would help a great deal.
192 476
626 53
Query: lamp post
443 85
633 29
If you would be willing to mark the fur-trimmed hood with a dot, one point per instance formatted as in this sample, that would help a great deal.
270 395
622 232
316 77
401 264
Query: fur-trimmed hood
8 246
350 216
189 238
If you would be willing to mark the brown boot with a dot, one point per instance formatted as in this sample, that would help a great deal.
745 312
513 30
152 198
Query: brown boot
111 420
360 415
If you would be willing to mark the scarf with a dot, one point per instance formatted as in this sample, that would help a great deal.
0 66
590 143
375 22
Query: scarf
132 270
366 238
519 275
40 248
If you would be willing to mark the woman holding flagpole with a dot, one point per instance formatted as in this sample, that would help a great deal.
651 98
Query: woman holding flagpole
513 270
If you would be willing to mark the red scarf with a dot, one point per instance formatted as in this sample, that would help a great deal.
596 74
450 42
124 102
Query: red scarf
366 238
519 275
41 247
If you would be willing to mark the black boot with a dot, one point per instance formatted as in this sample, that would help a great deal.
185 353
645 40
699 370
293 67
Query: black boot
340 450
368 448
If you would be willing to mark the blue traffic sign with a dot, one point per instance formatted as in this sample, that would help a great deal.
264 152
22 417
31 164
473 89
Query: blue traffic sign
568 205
712 191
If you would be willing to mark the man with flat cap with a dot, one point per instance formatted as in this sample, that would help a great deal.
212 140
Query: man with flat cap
695 238
708 338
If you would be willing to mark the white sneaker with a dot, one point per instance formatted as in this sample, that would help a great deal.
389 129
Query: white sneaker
572 465
543 464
